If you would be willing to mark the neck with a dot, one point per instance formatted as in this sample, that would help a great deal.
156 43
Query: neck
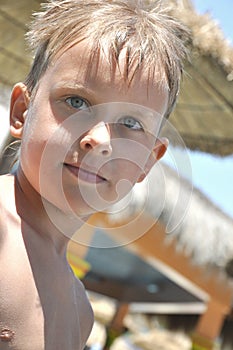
50 223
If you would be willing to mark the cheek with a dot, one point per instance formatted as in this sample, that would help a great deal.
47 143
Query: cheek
33 143
42 132
129 171
35 155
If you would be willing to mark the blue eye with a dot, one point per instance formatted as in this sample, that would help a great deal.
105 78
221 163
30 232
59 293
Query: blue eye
131 123
77 102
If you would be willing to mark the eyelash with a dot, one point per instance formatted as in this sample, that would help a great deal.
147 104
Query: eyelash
124 119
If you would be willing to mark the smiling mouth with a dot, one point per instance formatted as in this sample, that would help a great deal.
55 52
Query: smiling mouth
85 175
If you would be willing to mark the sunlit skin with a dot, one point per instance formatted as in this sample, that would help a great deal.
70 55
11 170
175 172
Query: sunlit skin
79 160
65 89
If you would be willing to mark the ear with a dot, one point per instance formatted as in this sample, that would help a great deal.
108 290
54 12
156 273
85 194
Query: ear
157 153
18 109
160 148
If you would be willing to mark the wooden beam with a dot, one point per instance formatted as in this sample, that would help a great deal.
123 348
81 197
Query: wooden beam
151 247
211 287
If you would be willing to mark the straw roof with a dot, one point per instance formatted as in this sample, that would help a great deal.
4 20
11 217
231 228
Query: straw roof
203 116
201 228
207 36
206 94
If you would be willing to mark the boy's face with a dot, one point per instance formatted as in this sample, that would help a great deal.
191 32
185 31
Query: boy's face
87 136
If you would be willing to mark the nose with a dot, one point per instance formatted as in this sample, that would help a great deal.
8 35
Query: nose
98 138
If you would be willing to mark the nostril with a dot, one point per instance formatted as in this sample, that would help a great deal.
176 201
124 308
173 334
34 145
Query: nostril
88 146
105 152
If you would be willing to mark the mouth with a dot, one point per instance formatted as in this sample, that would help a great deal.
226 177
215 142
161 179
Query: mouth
85 175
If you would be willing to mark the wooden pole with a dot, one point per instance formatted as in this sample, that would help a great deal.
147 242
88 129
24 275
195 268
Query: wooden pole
116 326
209 326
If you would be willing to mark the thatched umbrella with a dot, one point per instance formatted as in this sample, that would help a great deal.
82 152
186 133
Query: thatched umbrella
203 118
205 102
204 112
202 229
204 233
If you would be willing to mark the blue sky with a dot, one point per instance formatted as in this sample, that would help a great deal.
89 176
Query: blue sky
212 174
222 11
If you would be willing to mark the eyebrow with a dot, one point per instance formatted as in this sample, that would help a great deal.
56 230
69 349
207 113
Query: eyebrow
76 88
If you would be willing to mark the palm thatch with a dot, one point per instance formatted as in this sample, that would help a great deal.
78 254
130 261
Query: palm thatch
201 228
201 105
207 36
209 49
203 116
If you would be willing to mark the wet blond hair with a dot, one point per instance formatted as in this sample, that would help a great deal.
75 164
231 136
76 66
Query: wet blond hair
151 36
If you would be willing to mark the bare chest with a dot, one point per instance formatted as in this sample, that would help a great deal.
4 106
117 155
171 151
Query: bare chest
38 302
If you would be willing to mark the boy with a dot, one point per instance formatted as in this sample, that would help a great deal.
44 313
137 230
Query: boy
105 73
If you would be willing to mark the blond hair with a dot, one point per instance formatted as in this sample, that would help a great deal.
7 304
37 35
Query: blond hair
151 36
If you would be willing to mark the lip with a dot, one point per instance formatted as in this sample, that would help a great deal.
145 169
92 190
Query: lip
82 174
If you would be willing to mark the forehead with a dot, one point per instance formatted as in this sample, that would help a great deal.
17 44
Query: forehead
114 81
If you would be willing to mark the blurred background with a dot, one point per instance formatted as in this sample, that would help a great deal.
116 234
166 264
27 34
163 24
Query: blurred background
170 287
